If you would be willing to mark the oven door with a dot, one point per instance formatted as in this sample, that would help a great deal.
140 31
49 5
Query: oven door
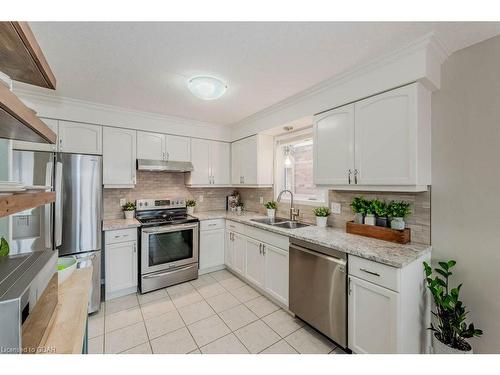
169 246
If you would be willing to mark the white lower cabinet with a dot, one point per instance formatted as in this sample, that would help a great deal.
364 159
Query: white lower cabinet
373 318
211 250
120 259
255 262
239 253
276 273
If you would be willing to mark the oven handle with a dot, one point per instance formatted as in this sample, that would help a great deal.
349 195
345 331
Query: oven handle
153 276
169 228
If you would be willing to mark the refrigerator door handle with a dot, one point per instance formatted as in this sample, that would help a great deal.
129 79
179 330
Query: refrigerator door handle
59 204
47 209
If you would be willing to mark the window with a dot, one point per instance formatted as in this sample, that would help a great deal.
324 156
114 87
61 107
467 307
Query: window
294 168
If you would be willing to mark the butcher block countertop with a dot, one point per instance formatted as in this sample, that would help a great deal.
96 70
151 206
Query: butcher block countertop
66 330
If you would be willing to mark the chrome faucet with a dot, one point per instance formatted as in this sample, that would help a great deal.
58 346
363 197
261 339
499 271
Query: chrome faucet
294 212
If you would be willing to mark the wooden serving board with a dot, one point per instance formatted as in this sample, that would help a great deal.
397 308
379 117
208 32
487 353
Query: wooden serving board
380 233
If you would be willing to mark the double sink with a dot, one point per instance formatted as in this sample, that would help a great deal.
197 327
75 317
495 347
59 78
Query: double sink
280 223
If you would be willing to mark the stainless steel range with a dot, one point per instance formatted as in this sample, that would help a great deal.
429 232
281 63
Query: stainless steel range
169 243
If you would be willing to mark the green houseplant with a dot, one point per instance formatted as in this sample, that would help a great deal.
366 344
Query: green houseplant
398 210
129 210
381 212
4 247
358 206
451 333
271 209
321 214
369 213
190 204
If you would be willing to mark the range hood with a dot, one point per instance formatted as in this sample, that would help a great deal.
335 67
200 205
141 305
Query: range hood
164 165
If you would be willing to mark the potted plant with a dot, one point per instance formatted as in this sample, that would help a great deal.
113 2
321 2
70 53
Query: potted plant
370 213
239 208
4 247
129 210
398 211
271 209
358 206
190 204
381 212
451 333
322 214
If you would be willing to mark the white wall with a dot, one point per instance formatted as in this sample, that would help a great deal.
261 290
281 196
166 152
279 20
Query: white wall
466 181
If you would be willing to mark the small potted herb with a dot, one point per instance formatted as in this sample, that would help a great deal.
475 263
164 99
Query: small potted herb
129 210
4 247
381 213
239 208
322 214
190 204
271 209
358 206
398 211
370 213
451 333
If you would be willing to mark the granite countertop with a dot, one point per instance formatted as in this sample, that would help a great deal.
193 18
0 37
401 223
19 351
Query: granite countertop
113 224
388 253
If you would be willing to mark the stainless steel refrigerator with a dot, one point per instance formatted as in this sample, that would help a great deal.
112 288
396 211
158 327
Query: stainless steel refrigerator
72 225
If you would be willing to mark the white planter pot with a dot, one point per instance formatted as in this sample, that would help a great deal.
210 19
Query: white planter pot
397 223
440 348
358 218
190 210
271 212
238 210
370 219
321 221
129 214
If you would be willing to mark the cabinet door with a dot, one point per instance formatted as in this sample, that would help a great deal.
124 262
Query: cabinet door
211 248
121 266
386 138
220 156
119 156
150 146
372 318
276 273
255 262
236 172
334 146
34 146
239 251
248 160
177 148
80 138
200 151
229 250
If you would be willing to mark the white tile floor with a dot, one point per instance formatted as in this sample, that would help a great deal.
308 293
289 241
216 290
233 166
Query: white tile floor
217 313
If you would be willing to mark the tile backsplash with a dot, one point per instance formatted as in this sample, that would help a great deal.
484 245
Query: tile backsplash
419 221
162 184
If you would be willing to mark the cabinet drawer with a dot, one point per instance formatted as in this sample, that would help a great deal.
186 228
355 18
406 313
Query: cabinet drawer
212 224
377 273
235 227
267 237
121 235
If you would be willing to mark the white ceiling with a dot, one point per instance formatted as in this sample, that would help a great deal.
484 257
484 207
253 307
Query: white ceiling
144 66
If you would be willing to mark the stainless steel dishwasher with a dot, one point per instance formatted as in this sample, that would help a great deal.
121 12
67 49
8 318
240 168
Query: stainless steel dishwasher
318 295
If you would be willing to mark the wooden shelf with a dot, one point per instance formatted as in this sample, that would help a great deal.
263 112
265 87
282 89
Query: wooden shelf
10 204
21 58
20 122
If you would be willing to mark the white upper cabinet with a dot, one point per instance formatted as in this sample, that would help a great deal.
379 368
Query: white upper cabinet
119 157
334 146
384 145
34 146
211 163
80 138
252 161
156 146
150 146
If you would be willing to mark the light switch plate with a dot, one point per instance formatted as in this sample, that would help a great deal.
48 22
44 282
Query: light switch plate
122 202
261 200
336 208
200 198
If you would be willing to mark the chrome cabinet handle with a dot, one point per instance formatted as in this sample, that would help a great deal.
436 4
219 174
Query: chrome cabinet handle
349 286
349 176
135 248
168 156
369 272
260 249
263 249
356 176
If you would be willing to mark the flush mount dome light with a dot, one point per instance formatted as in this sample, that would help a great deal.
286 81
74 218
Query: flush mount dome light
207 88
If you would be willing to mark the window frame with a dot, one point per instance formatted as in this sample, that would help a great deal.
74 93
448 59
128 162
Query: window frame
278 162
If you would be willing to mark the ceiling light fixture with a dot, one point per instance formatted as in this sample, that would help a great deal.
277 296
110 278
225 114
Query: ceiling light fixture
207 88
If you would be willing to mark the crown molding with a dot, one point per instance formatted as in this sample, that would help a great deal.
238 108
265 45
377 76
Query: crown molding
427 42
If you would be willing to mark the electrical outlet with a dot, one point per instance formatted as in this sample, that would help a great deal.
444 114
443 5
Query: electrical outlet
336 208
200 198
122 202
261 200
